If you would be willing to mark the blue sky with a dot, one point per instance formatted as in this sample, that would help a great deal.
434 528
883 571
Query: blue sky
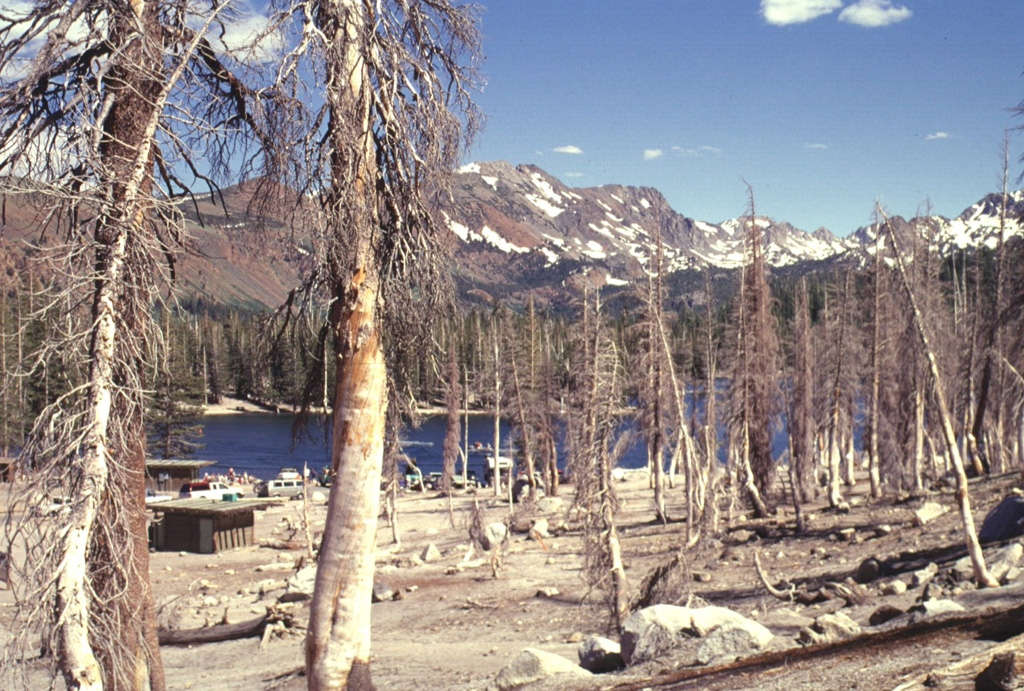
822 105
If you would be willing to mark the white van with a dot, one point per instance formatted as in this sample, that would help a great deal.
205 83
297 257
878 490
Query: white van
281 488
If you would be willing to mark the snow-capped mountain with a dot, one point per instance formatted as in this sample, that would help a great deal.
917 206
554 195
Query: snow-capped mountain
521 225
977 227
507 217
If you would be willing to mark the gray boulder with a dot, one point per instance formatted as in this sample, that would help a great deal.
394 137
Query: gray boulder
1009 558
732 641
829 628
928 512
1005 521
300 585
600 655
430 553
923 576
533 665
494 535
654 631
931 608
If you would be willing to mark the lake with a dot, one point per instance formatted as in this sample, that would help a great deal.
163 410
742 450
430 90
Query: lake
261 444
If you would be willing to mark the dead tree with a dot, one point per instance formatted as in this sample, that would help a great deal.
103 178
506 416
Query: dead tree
592 452
375 158
105 103
754 392
981 574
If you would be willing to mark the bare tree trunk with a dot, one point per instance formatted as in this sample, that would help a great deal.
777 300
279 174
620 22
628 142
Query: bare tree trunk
337 645
981 574
876 369
338 641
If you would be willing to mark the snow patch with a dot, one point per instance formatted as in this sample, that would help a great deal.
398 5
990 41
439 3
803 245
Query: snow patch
470 168
490 180
545 187
501 243
644 203
618 200
544 205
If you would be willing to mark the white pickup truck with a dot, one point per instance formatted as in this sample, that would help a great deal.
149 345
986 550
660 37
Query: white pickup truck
206 490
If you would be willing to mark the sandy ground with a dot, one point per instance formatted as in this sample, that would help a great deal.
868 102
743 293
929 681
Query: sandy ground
455 629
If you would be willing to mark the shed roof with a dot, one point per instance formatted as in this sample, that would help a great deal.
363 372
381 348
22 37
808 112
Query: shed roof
210 507
177 463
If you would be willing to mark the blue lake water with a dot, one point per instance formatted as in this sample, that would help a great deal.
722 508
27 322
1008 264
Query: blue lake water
261 443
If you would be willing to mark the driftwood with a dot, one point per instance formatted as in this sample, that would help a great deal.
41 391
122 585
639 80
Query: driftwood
214 634
276 620
853 593
965 672
986 623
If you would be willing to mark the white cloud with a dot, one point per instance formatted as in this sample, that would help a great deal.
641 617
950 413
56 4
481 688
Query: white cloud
573 175
783 12
711 149
574 150
651 154
816 145
874 13
696 153
937 135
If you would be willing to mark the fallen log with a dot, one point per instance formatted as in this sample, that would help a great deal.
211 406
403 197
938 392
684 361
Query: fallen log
967 670
986 622
214 634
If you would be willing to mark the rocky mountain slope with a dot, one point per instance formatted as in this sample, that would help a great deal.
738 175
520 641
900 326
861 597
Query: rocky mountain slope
515 230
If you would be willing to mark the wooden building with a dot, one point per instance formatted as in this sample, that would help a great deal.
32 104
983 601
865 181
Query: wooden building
203 525
169 474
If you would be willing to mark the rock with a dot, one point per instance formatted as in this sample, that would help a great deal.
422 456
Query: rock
539 529
934 607
277 566
896 587
549 504
741 536
534 665
300 585
494 534
575 637
883 530
847 534
1005 521
547 592
382 592
962 569
653 631
883 614
1009 558
869 570
1013 574
318 496
733 640
600 655
932 591
702 576
430 553
836 626
923 576
928 512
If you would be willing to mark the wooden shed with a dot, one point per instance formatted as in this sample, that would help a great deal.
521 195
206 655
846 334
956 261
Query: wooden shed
5 469
169 474
203 525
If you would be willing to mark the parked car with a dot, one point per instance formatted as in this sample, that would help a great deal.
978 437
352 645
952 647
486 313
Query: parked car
207 490
280 488
152 497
